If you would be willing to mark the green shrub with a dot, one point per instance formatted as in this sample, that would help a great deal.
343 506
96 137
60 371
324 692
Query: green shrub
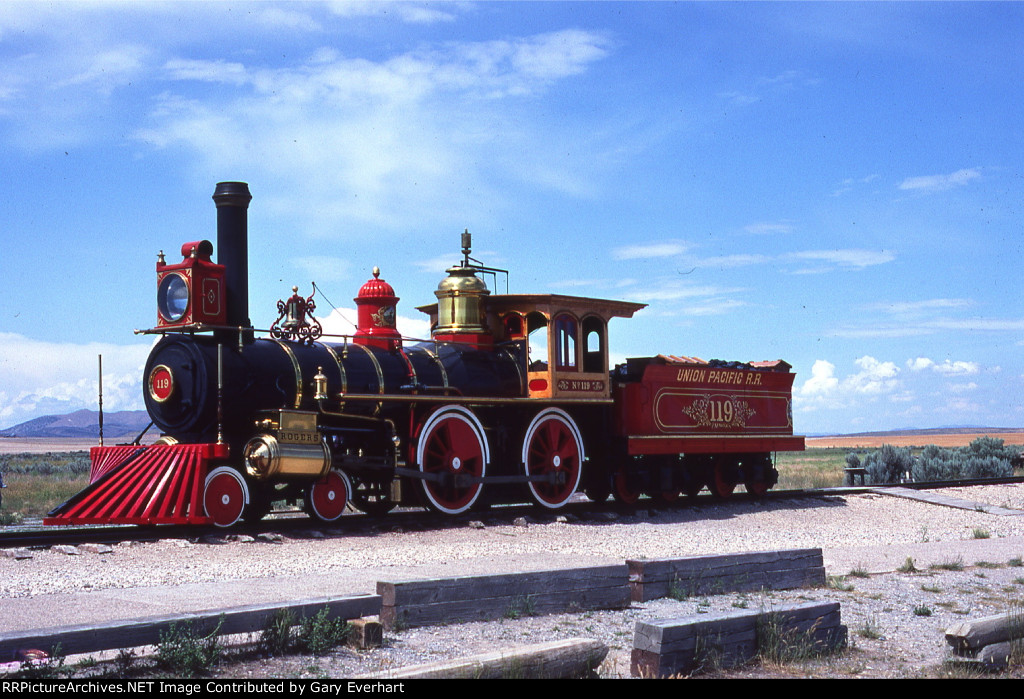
985 457
889 464
280 635
321 633
186 653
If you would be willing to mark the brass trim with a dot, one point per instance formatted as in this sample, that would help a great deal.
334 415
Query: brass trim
296 367
149 383
437 360
341 368
376 366
380 373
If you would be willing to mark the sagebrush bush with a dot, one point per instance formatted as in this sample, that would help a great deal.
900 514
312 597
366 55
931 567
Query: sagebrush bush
889 464
61 463
985 457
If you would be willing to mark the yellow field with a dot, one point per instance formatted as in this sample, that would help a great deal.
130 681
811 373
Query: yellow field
918 439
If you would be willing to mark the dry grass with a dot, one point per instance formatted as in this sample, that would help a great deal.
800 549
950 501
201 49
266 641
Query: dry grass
913 439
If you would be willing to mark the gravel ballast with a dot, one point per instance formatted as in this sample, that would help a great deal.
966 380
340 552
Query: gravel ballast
965 563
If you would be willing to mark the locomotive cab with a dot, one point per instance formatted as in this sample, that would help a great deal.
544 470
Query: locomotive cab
567 341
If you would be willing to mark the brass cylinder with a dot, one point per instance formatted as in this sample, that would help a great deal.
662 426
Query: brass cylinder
460 302
267 457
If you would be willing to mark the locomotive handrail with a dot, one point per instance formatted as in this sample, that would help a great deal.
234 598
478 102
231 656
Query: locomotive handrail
474 400
206 327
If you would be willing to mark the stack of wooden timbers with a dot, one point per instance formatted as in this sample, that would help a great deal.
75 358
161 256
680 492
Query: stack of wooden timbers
992 643
661 647
687 645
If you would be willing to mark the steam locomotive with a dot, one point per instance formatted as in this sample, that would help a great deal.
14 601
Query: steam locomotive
511 399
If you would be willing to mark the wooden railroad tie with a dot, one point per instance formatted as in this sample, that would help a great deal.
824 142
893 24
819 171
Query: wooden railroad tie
566 659
709 642
724 573
990 643
147 631
486 597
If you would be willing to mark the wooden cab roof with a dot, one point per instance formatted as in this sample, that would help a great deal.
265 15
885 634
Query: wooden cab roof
551 305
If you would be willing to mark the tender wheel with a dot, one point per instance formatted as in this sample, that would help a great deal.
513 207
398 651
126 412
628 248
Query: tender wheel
666 496
452 451
624 489
553 447
724 479
759 476
225 496
326 499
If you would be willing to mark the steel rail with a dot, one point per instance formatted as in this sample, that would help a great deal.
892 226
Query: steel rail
294 524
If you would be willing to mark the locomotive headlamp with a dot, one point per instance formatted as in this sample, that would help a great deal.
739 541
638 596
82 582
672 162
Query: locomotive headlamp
191 292
173 298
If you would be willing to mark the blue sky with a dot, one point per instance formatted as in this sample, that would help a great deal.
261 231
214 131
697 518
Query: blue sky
836 185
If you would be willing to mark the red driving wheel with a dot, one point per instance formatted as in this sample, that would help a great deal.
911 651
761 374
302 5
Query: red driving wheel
553 448
452 453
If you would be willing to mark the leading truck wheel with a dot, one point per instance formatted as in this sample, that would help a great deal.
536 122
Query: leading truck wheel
326 499
553 448
452 453
225 496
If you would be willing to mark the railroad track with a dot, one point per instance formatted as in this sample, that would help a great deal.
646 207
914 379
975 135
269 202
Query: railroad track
295 523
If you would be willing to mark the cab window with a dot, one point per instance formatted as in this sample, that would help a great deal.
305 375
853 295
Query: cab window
566 333
594 359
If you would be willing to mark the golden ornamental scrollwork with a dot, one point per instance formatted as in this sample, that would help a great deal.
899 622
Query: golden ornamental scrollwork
719 411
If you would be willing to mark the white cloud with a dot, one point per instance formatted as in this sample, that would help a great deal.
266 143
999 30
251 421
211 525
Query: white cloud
40 378
411 12
823 380
940 183
947 367
219 71
649 250
343 321
769 228
913 308
846 258
381 136
874 377
827 391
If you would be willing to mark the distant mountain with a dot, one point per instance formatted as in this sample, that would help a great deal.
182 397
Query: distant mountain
81 424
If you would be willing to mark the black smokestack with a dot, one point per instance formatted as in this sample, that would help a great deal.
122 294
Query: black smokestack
232 199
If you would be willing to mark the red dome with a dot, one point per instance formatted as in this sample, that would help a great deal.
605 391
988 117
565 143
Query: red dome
376 304
376 288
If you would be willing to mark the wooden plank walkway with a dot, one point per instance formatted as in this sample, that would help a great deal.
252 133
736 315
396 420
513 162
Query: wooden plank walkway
90 638
935 497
